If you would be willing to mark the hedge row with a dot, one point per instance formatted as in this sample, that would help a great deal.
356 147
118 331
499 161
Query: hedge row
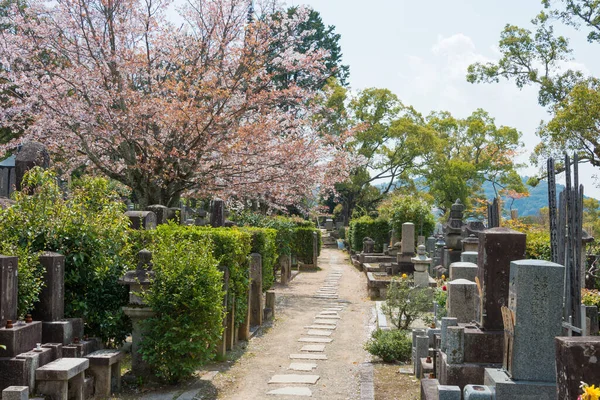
376 229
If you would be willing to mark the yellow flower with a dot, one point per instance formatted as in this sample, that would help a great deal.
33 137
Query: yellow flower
443 277
590 392
404 276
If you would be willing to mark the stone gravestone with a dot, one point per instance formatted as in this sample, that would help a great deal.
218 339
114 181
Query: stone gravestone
256 297
461 300
497 248
217 215
577 360
51 303
368 245
31 154
161 212
408 238
8 289
142 219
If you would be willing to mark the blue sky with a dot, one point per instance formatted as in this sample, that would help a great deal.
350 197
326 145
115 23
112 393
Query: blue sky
420 50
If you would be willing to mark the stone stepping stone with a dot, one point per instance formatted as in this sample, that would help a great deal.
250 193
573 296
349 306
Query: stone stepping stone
338 309
325 296
308 356
315 340
325 321
325 316
317 332
329 312
294 378
302 366
313 348
330 327
291 391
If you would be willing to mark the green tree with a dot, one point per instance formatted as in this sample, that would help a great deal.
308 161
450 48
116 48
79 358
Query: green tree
537 58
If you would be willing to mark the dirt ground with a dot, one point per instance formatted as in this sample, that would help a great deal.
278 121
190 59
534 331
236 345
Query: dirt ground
392 385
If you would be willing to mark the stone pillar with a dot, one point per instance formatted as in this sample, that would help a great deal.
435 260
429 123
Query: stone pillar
461 300
256 296
51 305
244 328
270 303
161 212
142 219
285 268
222 345
455 344
31 154
446 322
421 351
535 298
408 238
217 215
577 360
231 327
469 256
315 249
497 248
8 289
463 270
422 264
138 315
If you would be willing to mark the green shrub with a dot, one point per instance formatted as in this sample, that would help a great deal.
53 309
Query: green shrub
302 245
377 229
187 296
89 228
538 245
400 209
405 302
264 242
231 248
391 345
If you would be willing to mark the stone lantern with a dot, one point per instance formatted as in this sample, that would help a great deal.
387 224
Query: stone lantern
422 264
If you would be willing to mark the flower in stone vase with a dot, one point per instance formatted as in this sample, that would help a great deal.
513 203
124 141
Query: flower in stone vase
404 276
589 392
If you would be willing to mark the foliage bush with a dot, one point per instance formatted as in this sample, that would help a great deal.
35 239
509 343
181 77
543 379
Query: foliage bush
264 242
405 302
377 229
390 345
231 248
537 246
187 296
400 209
302 245
590 297
89 228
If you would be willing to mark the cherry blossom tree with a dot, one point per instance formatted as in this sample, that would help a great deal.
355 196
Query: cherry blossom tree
170 109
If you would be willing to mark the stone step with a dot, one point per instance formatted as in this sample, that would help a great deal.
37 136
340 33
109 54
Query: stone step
328 313
315 340
318 321
313 348
308 356
327 316
302 366
328 327
294 378
291 391
316 332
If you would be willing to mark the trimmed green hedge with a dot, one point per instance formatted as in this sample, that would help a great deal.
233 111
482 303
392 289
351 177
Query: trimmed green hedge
264 242
377 229
303 244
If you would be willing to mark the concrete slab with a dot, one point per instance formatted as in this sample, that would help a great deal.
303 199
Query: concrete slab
294 378
317 332
313 348
326 316
302 366
318 321
315 340
291 391
329 313
308 356
328 327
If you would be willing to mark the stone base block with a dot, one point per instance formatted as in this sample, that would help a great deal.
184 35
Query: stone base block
462 374
20 339
577 359
507 389
64 331
13 372
15 393
34 360
483 347
429 389
426 368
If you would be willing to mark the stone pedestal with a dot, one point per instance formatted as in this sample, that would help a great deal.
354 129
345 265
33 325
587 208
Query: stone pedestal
138 315
506 388
22 337
469 256
446 322
463 270
217 215
142 219
63 332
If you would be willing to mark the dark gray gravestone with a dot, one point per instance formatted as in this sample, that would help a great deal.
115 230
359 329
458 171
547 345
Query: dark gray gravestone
497 248
31 154
256 298
217 215
8 289
142 219
161 212
51 305
576 362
